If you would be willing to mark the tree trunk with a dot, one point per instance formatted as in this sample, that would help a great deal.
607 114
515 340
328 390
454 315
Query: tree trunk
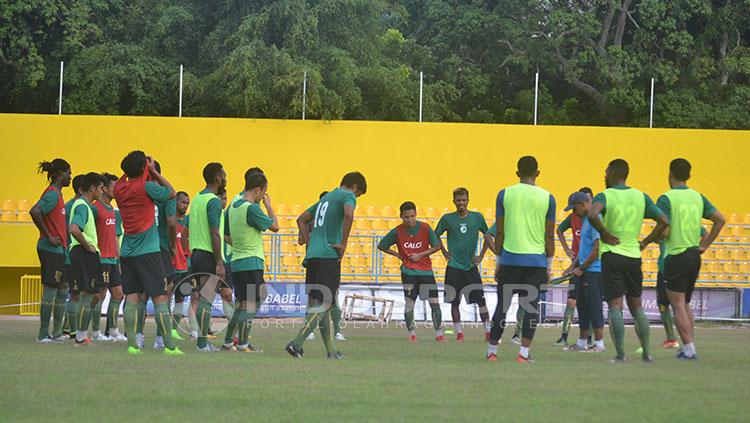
622 20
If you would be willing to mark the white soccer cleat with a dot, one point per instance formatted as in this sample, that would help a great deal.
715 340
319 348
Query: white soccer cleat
117 336
159 343
61 338
208 348
311 336
103 338
140 340
340 337
47 340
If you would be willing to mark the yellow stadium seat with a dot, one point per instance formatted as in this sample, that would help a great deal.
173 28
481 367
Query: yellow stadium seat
8 216
297 210
446 210
24 216
354 248
432 212
287 247
731 267
283 210
9 204
746 219
722 254
24 205
378 225
362 224
561 215
360 211
734 219
388 211
489 214
373 211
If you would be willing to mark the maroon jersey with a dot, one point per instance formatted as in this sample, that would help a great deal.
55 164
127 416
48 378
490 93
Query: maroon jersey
106 230
179 260
55 220
136 207
575 225
408 245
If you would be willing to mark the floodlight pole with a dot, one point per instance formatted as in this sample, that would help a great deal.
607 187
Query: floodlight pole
304 94
536 96
651 107
180 107
421 92
59 99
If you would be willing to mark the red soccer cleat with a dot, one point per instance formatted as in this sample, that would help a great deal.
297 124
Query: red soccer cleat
440 338
487 337
522 360
460 337
413 339
491 357
86 341
668 345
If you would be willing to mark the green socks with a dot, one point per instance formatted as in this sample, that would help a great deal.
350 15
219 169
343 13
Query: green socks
245 326
58 312
567 319
336 316
141 317
643 330
45 310
228 309
177 314
130 315
113 310
520 314
617 330
96 315
312 320
325 331
72 315
84 313
409 317
232 326
668 321
204 321
437 316
164 324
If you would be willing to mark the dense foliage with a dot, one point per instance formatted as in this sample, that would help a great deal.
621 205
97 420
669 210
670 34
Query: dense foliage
363 58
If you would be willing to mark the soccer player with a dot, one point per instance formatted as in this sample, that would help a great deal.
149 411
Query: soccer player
84 252
206 228
574 223
72 305
332 218
415 242
225 289
462 276
108 228
623 209
520 312
48 214
525 216
587 268
136 192
247 222
167 225
180 258
683 247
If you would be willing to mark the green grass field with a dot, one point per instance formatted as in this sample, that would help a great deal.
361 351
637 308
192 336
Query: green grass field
383 378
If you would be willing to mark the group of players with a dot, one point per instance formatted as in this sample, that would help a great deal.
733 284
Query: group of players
79 246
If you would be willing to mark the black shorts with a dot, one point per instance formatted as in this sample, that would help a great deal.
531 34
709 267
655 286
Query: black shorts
166 260
424 287
184 285
573 288
527 282
681 272
87 271
53 267
143 274
248 284
111 276
202 262
322 279
621 275
661 291
463 282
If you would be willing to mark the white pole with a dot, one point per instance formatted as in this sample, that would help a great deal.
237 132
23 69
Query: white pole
651 109
421 80
180 111
536 95
59 99
304 95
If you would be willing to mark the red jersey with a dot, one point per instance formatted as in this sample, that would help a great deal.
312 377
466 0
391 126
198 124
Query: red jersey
136 207
575 225
179 260
411 244
55 220
106 230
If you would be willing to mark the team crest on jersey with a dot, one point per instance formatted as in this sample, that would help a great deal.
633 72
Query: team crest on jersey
463 228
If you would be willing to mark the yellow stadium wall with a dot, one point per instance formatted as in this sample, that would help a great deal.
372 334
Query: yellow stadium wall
421 162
